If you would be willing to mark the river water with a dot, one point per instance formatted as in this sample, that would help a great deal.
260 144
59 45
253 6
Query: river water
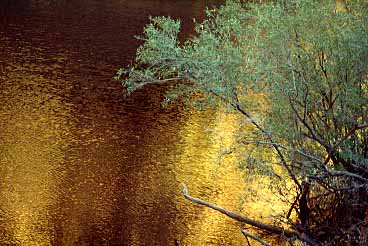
80 164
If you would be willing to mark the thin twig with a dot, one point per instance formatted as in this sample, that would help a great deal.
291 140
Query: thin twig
247 234
287 148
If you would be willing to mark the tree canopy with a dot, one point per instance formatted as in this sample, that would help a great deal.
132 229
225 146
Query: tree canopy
309 59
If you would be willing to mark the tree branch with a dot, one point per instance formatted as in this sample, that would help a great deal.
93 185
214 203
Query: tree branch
276 147
237 107
287 148
311 134
348 174
247 234
246 220
349 133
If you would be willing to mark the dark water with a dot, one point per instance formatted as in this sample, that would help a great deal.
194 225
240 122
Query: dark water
80 164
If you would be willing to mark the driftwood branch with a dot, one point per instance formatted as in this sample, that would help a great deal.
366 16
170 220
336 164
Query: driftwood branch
247 234
246 220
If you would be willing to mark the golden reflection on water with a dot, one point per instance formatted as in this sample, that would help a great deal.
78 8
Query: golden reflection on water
208 164
51 200
31 159
211 176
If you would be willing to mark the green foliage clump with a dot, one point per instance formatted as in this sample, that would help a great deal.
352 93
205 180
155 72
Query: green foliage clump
310 59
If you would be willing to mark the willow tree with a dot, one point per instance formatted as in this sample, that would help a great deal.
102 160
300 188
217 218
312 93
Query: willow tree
310 61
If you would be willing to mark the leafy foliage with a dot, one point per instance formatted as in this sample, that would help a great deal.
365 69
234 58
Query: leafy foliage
310 59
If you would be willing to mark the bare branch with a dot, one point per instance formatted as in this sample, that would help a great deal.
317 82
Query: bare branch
311 134
247 234
246 220
288 149
351 188
350 132
348 174
292 206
